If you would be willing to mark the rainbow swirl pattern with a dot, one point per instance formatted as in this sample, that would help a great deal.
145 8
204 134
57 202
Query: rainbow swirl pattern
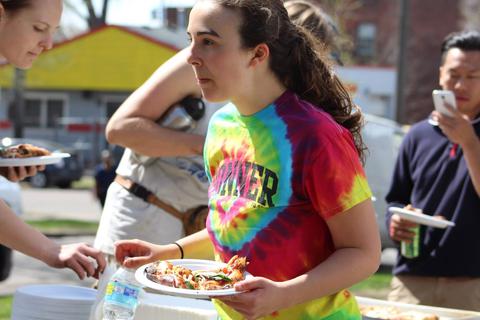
276 177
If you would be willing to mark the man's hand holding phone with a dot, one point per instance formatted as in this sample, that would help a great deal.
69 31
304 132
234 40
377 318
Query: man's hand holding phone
455 125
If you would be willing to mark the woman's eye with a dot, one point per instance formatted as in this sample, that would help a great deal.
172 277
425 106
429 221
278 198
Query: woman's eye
207 42
38 29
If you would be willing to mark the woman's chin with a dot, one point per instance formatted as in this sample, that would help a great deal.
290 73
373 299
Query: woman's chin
211 96
22 63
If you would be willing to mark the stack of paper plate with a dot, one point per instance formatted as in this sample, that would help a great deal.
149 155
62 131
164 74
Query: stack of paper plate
53 302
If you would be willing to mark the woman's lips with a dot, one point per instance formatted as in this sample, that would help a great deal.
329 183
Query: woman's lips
203 81
34 54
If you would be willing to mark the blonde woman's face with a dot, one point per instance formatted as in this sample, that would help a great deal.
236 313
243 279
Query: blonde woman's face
26 33
220 63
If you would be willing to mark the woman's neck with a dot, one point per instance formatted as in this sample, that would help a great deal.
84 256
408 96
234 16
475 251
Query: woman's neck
261 94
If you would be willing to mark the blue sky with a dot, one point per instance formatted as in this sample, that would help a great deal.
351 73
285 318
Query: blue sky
128 12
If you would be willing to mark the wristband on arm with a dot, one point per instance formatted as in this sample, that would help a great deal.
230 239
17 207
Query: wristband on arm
180 248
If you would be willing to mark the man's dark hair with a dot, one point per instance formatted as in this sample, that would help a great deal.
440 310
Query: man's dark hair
463 40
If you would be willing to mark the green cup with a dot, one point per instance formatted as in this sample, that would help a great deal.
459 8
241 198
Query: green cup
411 249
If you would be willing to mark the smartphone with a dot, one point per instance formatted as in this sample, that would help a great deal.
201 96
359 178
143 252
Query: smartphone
440 97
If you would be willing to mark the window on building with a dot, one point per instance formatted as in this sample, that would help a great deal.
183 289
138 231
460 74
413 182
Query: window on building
112 106
177 17
54 112
43 111
32 114
366 35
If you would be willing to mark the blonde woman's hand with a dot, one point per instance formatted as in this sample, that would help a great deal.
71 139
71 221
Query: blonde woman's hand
16 174
80 257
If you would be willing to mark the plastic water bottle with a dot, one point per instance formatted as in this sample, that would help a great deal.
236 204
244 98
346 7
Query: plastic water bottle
121 296
183 116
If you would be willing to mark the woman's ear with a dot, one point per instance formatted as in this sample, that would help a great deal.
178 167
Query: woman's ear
260 54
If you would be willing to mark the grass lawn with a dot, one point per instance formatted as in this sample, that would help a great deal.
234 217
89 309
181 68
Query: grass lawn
64 226
376 286
5 307
85 183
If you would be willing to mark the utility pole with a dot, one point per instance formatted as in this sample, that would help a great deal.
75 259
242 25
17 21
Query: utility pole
19 102
402 60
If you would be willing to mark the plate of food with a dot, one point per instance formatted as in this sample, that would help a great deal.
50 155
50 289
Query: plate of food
421 218
29 155
192 278
375 309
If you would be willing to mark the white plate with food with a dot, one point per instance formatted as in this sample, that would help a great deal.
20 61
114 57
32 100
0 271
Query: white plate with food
26 154
421 218
192 278
33 161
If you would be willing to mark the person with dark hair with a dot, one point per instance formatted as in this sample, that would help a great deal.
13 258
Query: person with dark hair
438 171
104 175
164 147
287 188
26 30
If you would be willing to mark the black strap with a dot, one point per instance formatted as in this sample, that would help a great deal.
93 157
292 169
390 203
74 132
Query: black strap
140 191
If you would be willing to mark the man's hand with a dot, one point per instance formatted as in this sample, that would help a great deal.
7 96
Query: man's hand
457 127
400 229
16 174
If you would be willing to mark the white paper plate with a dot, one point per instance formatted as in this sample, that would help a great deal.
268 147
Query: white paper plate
421 218
33 161
192 264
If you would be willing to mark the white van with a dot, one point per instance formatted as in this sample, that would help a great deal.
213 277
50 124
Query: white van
383 138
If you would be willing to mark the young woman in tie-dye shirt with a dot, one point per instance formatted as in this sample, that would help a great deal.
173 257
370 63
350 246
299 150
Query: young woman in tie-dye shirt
287 186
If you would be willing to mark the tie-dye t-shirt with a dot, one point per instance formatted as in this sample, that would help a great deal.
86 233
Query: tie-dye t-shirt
276 177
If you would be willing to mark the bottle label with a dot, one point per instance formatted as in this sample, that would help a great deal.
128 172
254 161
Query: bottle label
122 295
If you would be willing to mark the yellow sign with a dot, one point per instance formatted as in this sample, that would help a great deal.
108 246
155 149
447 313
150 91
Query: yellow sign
111 58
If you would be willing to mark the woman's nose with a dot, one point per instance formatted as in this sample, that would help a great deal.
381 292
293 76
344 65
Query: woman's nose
193 58
47 42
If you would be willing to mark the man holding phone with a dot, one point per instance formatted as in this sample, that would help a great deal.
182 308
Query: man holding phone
438 172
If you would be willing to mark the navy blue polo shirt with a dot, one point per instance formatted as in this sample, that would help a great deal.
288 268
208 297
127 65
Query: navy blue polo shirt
431 174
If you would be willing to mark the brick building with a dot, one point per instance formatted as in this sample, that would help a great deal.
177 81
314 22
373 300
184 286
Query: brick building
373 26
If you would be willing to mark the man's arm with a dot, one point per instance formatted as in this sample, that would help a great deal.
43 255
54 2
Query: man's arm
471 151
133 124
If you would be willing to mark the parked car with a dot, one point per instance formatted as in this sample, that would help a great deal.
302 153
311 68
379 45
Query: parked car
383 138
10 192
60 174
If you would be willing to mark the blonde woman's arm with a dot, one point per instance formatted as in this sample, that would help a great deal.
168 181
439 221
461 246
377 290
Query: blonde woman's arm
17 235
